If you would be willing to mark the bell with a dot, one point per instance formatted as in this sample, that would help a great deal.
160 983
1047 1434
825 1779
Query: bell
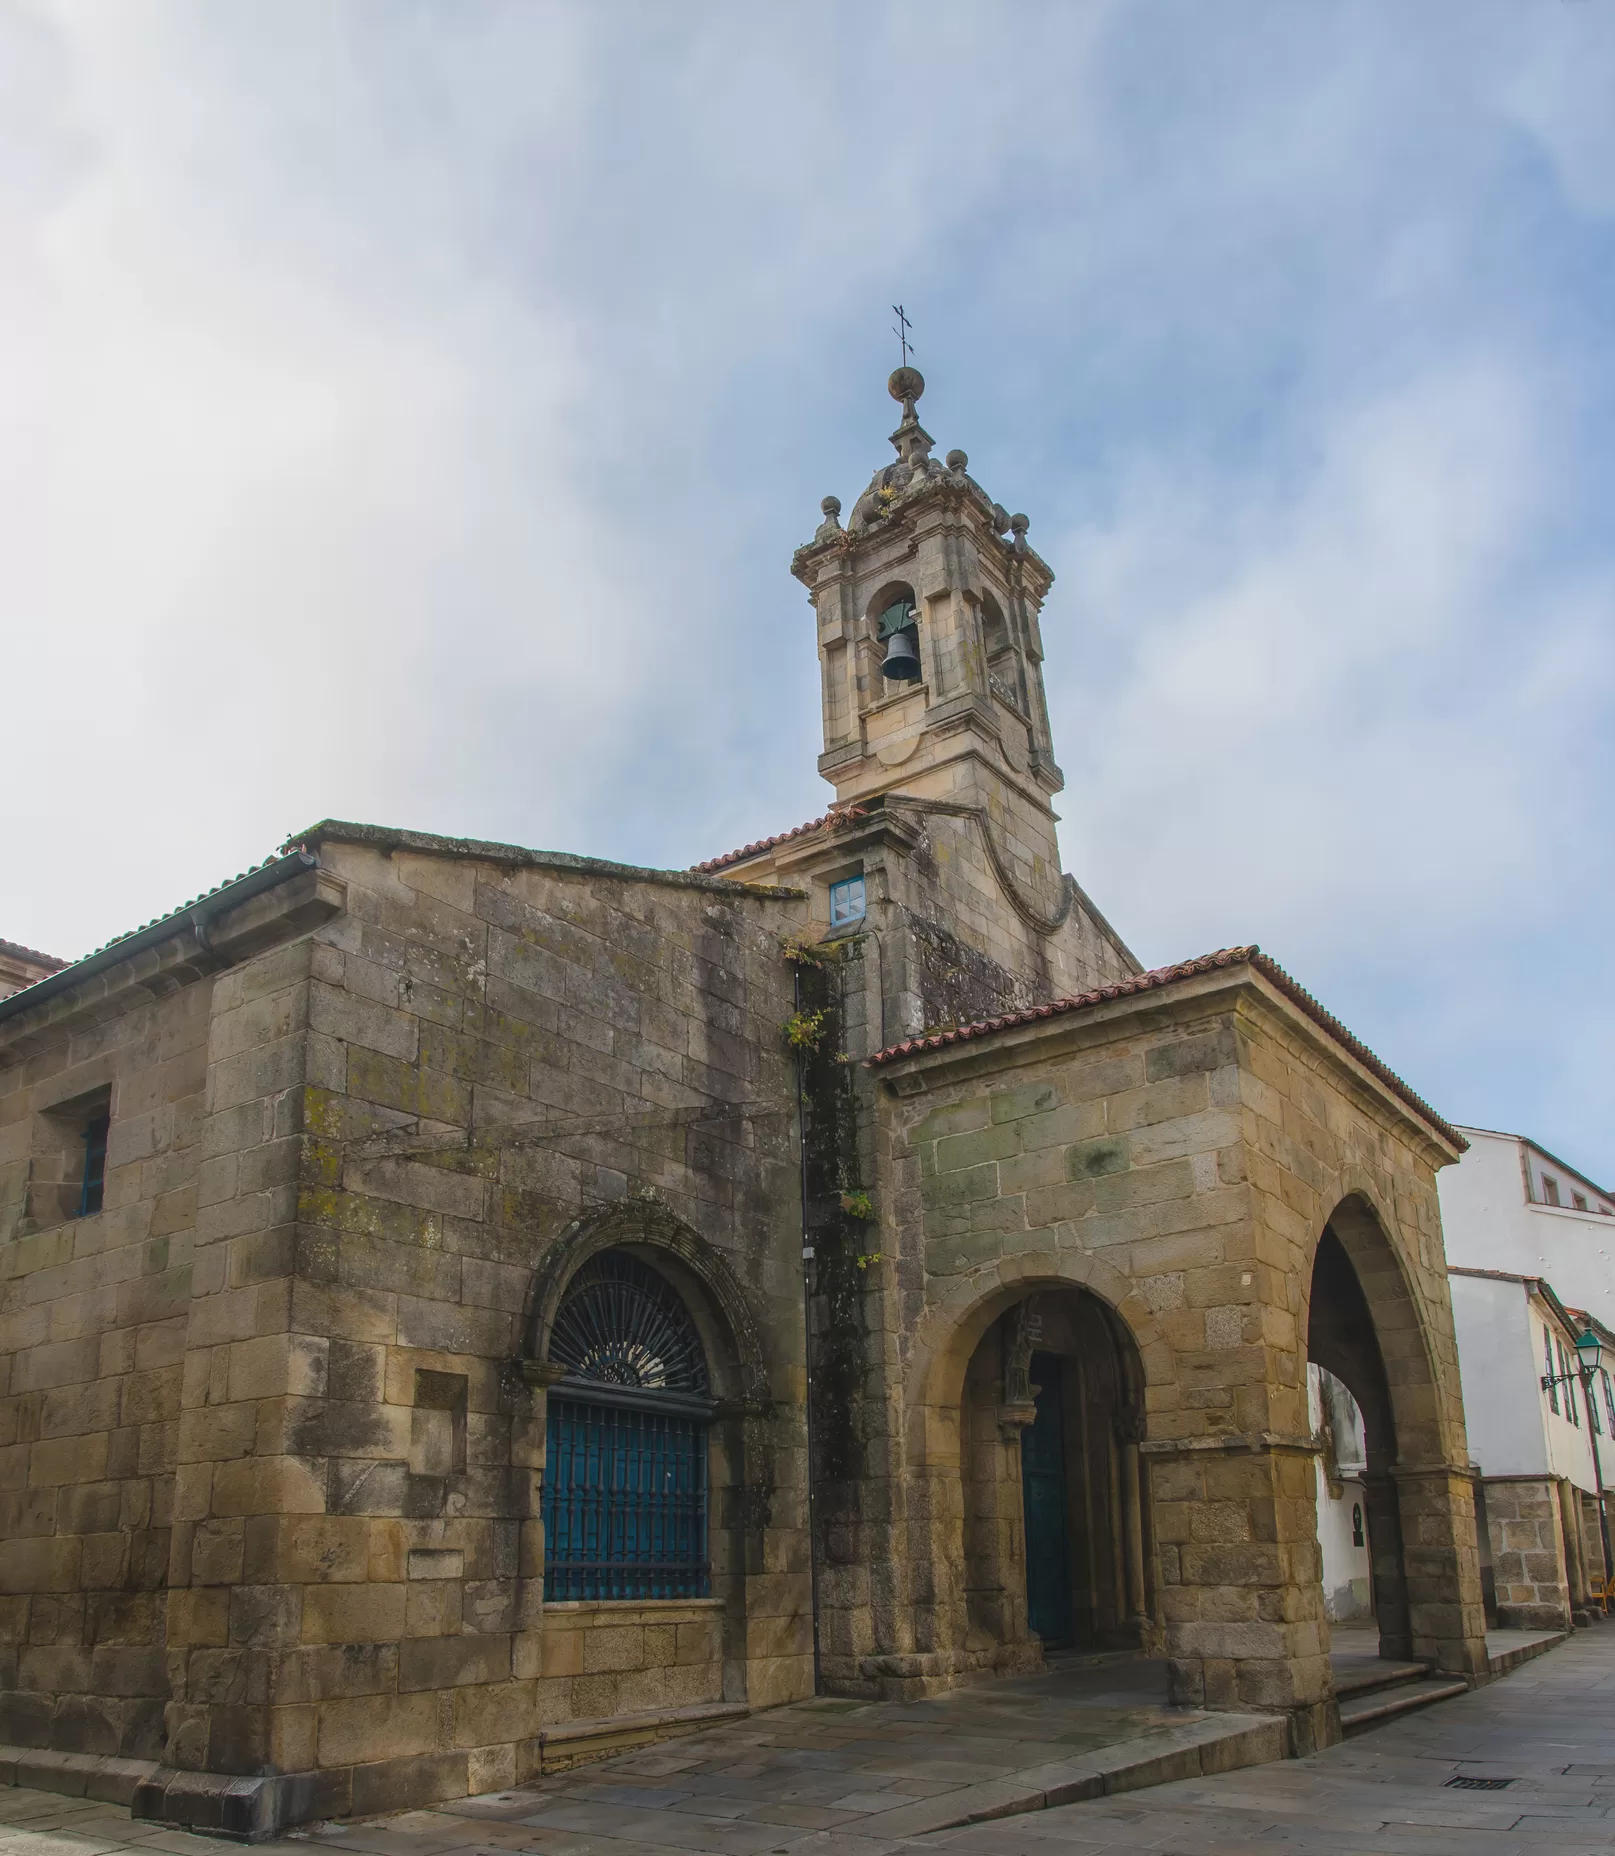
902 663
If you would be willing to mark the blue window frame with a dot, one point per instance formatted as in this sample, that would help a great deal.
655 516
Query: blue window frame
92 1189
625 1484
846 901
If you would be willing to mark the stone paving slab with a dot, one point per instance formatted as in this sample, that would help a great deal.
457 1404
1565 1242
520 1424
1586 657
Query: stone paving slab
884 1772
1385 1794
796 1782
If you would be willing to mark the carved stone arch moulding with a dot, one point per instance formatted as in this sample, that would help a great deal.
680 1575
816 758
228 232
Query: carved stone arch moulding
650 1223
948 1332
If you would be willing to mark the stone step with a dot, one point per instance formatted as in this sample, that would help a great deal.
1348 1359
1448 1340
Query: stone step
1360 1713
1365 1681
575 1742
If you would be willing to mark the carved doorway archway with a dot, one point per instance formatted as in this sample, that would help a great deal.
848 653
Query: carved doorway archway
1055 1546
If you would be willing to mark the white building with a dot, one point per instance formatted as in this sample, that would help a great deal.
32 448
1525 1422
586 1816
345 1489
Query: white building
1532 1435
1510 1205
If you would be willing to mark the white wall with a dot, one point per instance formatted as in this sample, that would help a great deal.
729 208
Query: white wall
1513 1429
1489 1224
1500 1371
1347 1589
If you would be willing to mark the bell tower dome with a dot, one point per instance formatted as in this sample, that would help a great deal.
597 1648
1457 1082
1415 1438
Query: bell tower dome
948 703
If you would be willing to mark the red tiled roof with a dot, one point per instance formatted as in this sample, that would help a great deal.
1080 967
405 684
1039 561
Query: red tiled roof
32 955
837 815
1167 976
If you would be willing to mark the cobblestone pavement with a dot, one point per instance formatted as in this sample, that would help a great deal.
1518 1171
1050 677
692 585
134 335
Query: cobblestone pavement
814 1788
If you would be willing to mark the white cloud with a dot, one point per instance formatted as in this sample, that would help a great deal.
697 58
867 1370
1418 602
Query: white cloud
408 412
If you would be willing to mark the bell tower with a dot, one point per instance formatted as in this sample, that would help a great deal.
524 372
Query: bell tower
928 606
940 847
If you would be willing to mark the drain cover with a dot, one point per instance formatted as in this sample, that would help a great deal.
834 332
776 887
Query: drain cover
1479 1785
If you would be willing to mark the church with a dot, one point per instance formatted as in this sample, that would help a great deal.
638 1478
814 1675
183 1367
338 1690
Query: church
467 1309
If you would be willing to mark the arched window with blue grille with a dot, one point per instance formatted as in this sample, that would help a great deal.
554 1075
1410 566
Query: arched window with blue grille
625 1483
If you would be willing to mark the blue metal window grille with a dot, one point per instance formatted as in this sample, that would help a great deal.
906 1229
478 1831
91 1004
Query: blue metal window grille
846 901
92 1192
625 1495
625 1503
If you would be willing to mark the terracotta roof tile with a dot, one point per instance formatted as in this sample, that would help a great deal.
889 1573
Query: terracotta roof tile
1168 976
836 816
32 955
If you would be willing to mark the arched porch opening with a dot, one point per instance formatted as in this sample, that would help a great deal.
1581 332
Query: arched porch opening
1341 1339
1365 1328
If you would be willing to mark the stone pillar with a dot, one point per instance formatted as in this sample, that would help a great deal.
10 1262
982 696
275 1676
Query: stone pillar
1528 1559
1575 1547
1235 1520
1593 1536
1446 1616
1385 1564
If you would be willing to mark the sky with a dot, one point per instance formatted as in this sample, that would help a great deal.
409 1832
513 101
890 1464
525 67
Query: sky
408 412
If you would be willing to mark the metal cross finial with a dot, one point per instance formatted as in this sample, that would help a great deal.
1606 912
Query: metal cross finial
901 332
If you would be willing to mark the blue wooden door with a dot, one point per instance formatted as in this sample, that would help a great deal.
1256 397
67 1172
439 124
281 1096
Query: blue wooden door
1048 1551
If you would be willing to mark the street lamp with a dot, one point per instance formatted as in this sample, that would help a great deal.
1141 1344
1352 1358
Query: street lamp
1590 1353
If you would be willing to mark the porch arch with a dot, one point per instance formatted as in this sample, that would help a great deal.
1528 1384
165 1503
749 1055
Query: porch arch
1368 1326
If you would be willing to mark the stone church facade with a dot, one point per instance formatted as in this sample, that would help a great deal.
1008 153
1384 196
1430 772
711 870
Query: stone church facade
530 1304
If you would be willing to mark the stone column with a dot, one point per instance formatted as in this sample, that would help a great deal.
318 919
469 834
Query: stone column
1115 1510
1441 1563
1235 1519
1133 1513
1575 1546
1593 1535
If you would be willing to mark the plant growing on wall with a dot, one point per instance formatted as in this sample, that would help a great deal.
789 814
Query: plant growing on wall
803 1030
836 1211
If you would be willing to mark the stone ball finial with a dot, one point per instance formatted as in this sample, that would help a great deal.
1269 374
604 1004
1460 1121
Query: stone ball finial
907 384
830 527
1000 519
1019 524
957 460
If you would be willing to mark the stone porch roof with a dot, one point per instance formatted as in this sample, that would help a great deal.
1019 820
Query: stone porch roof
1159 977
